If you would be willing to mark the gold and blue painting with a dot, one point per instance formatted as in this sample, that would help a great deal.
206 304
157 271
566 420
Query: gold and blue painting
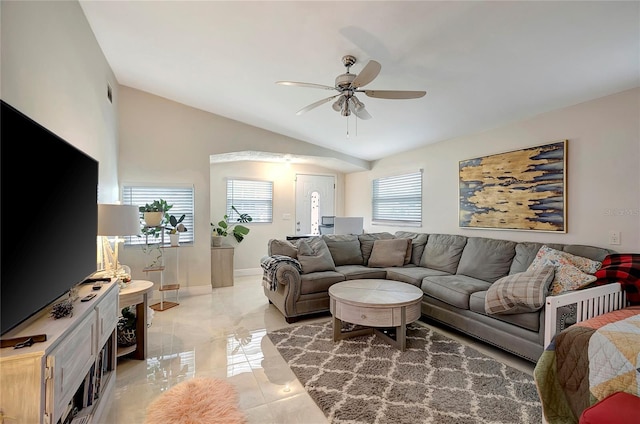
519 190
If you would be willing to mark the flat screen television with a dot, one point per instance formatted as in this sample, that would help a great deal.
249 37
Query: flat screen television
48 217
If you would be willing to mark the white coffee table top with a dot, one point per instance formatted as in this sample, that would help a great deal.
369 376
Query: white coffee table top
375 293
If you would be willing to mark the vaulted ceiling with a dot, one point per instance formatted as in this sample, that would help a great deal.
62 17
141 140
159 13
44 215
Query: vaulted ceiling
483 64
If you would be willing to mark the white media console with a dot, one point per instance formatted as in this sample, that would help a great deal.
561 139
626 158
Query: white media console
75 368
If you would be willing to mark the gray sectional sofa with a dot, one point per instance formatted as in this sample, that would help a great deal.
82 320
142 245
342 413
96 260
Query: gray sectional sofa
455 272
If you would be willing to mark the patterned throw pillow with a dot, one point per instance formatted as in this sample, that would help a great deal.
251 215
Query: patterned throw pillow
571 272
314 255
519 293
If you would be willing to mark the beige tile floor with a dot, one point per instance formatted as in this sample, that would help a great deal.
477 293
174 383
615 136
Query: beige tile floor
223 335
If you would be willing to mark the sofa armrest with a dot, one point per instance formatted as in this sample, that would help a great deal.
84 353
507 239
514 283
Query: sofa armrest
282 284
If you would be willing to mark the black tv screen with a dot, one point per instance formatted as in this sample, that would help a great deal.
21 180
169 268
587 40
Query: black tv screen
48 217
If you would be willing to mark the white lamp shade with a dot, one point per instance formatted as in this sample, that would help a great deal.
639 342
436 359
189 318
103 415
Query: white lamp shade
118 220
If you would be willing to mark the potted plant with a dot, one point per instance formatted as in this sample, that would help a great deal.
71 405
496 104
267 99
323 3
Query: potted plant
154 213
174 229
223 228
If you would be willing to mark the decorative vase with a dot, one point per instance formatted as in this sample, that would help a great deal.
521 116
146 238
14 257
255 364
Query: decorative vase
153 219
174 239
216 241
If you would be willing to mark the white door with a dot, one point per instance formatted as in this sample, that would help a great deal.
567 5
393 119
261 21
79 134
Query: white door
315 196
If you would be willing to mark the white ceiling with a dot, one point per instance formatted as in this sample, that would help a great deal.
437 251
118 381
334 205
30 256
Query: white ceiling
483 64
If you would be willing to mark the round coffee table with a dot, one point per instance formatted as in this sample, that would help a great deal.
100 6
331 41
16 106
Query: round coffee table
374 304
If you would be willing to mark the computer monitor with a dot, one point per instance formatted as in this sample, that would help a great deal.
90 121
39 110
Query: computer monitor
348 225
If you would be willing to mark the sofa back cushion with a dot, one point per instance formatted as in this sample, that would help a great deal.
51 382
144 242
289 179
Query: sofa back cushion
591 252
366 243
282 247
442 252
418 242
344 248
486 259
314 255
525 254
389 253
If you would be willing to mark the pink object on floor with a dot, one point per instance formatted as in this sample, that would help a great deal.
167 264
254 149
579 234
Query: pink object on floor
197 401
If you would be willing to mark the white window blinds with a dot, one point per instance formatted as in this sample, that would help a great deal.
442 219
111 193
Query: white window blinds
397 200
181 197
252 197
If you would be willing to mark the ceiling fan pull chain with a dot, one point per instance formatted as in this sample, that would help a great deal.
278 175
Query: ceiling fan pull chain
347 127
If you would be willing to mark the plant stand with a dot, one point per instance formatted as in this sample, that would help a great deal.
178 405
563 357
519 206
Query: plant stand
163 305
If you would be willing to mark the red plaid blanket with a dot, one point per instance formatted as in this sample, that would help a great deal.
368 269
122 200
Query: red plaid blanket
625 269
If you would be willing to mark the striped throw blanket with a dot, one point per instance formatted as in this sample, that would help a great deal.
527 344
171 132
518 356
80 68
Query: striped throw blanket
270 264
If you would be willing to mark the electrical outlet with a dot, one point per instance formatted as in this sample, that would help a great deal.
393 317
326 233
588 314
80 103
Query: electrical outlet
614 237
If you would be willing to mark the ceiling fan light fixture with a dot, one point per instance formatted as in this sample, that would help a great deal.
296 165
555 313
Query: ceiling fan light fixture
358 106
337 105
345 109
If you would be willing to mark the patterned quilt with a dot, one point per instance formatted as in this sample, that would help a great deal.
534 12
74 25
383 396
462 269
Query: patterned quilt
589 361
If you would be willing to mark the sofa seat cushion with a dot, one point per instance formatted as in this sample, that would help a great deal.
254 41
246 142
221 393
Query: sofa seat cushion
442 252
355 272
486 259
526 320
319 282
344 248
453 289
412 274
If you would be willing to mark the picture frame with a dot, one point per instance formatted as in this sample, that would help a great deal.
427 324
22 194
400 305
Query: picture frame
523 190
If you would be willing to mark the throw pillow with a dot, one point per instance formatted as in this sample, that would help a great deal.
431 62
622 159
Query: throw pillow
314 255
366 243
282 247
519 293
571 272
389 253
546 255
345 249
418 241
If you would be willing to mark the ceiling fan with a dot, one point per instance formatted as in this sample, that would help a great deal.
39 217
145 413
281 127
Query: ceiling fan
348 84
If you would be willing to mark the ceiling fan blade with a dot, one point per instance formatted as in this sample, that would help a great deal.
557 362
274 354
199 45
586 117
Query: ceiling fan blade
316 104
362 114
368 74
394 94
305 84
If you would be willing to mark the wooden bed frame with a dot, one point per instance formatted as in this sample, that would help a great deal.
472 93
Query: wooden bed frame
589 303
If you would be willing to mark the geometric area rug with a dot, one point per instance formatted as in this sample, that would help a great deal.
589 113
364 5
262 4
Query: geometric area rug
363 380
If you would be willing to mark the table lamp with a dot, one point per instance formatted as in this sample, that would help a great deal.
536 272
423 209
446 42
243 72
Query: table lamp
116 221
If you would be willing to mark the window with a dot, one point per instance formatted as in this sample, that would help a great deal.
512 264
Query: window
398 200
252 197
181 197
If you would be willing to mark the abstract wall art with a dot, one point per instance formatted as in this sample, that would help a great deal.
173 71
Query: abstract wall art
519 190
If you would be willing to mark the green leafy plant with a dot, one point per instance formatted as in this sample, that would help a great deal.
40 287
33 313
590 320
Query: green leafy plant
159 205
223 228
176 225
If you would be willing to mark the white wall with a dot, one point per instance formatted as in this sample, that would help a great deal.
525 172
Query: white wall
54 72
163 142
254 246
603 177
